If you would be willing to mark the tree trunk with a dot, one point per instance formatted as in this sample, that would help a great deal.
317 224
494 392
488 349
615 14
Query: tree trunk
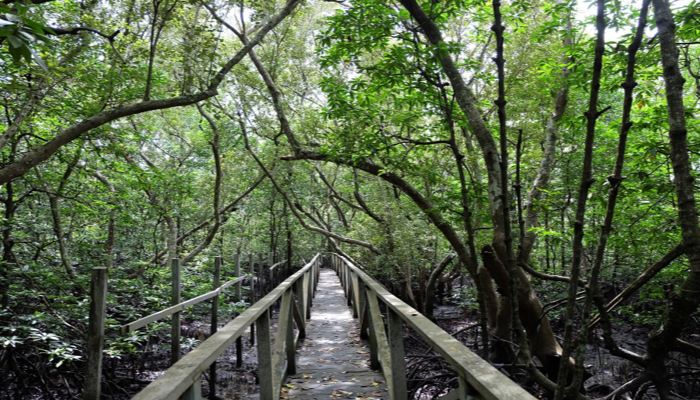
683 302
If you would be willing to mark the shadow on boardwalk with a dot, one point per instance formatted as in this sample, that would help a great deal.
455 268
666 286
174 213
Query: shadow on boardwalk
333 361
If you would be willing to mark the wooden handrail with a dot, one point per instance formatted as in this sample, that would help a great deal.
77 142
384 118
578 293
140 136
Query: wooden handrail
182 380
130 327
276 264
477 377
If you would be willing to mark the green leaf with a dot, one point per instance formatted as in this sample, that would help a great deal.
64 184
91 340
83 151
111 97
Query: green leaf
38 60
15 41
16 54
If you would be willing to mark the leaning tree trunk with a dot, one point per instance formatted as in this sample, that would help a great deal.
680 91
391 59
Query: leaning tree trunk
685 301
528 302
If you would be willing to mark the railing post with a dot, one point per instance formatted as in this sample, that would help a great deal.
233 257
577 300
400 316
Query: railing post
398 389
214 325
175 299
464 389
373 334
313 278
301 295
194 392
284 342
237 273
265 357
237 298
346 281
271 261
262 277
288 271
96 333
291 346
318 272
308 287
349 292
362 300
251 258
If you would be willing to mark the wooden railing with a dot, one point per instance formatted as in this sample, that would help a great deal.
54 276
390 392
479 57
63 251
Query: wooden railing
477 378
183 379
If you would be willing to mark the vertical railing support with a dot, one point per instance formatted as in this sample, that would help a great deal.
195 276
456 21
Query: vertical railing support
214 325
175 299
194 392
349 292
251 258
301 296
237 299
291 346
398 389
265 357
308 289
273 272
284 343
288 271
464 389
362 301
373 332
237 273
319 264
262 277
356 282
96 333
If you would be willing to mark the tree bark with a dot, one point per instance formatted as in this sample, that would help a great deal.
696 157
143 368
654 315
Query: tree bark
586 181
429 307
684 301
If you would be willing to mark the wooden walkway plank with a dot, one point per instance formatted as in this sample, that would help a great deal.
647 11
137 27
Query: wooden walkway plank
333 361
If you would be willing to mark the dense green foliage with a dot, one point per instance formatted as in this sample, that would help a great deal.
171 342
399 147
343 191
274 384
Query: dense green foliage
360 84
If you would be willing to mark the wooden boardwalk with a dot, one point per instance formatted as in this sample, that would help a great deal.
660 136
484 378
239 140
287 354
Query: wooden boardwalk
333 361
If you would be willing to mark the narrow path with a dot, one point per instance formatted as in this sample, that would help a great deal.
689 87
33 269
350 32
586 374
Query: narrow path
333 361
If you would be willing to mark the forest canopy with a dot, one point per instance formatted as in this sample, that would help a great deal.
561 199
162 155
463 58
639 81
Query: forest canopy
547 151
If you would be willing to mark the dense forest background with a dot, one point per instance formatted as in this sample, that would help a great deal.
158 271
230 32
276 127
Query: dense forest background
546 150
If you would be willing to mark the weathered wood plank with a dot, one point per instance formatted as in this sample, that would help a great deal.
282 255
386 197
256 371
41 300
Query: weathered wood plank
291 343
237 298
301 323
175 323
214 323
398 390
374 330
280 349
356 310
265 360
332 363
